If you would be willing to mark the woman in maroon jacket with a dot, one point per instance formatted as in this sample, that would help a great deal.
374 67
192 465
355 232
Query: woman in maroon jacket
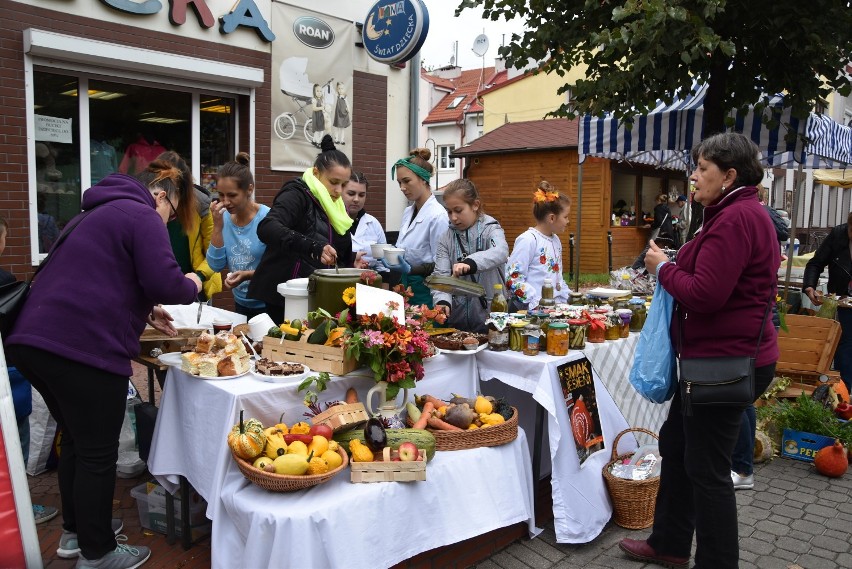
722 282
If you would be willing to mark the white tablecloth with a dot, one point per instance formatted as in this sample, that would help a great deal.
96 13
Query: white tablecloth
196 415
581 506
368 526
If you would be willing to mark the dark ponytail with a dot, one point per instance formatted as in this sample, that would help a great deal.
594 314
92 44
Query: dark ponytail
330 156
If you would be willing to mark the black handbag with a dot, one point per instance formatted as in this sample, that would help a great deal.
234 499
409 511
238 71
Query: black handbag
14 295
724 380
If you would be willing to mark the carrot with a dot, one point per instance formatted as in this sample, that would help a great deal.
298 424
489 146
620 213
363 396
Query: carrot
428 407
440 425
351 395
438 403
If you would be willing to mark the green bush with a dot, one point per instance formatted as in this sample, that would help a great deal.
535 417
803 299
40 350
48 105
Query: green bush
807 415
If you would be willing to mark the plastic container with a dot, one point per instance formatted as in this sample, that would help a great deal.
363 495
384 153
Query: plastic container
295 293
151 502
557 339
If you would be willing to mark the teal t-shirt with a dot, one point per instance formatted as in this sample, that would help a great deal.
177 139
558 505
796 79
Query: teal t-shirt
242 251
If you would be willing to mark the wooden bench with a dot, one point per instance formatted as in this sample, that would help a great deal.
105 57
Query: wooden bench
807 348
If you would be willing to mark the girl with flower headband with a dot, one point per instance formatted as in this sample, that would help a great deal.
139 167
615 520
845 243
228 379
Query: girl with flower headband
473 248
537 253
423 223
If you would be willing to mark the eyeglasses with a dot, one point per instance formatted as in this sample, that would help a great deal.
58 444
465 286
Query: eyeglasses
174 215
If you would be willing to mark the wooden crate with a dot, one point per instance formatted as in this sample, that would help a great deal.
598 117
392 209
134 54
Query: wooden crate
807 349
152 338
384 469
317 357
342 417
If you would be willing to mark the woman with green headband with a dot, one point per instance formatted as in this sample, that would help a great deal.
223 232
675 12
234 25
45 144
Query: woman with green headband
306 229
423 223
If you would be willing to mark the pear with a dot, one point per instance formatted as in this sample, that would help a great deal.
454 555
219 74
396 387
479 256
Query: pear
292 464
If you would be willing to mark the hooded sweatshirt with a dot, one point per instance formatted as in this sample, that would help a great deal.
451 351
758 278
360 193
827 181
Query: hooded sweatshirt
90 302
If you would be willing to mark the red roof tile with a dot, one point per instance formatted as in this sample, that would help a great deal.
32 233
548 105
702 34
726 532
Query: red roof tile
524 136
466 86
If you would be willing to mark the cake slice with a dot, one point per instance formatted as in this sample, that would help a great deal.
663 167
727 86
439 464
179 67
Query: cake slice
189 362
204 344
207 365
232 365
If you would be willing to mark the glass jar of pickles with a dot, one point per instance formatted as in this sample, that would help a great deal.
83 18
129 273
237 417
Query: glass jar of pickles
576 299
624 315
516 335
531 339
637 307
613 324
596 333
577 333
557 339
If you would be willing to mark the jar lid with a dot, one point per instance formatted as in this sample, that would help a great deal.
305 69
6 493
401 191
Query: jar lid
578 322
558 325
636 300
518 324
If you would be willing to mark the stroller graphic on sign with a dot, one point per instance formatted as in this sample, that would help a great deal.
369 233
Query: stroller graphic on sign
296 85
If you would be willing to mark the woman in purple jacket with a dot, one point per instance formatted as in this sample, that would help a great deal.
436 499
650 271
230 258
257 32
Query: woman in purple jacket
722 282
78 331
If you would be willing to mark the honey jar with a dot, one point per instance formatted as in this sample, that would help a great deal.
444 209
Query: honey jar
557 339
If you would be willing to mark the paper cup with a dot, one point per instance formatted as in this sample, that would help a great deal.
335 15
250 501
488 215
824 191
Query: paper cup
393 255
222 325
259 326
377 250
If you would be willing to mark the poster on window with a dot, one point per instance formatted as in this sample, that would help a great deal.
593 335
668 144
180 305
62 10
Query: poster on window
578 391
312 62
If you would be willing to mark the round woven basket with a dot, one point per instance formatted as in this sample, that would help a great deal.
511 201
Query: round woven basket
492 436
633 501
285 482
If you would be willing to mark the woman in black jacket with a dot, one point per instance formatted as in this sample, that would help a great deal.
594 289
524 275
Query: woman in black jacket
306 229
835 253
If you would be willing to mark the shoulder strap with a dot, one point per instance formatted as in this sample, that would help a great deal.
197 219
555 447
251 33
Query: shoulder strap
59 241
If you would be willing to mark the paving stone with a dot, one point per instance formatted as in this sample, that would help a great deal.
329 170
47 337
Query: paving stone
487 564
835 534
545 550
828 543
505 560
794 543
772 562
756 546
529 557
772 528
788 511
823 511
774 499
807 526
753 512
814 562
819 484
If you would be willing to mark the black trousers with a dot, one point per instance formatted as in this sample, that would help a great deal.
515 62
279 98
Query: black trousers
696 493
88 405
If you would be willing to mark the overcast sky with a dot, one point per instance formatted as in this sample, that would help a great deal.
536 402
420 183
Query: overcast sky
445 28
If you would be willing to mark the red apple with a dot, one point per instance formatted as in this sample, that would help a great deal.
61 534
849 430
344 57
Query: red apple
408 451
323 431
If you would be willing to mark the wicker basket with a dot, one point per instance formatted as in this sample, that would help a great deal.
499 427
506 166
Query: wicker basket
488 437
633 501
285 482
343 417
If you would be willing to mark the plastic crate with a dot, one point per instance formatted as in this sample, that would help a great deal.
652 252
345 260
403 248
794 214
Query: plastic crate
151 501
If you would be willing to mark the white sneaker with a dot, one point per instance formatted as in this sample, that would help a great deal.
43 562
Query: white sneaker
742 482
68 547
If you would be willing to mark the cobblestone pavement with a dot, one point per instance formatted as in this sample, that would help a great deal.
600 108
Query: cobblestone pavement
793 519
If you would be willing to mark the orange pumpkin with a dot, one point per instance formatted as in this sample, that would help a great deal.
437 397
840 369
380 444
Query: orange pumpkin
832 461
247 438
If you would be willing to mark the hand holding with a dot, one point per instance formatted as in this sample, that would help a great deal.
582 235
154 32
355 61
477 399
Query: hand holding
460 269
194 278
216 211
329 256
814 295
654 257
233 279
403 266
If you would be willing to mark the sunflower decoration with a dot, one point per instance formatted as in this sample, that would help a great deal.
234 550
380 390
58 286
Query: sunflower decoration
349 296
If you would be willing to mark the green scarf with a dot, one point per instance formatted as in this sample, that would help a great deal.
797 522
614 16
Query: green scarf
334 209
418 171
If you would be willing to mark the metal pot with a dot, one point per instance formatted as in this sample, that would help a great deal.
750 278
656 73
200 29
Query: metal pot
326 286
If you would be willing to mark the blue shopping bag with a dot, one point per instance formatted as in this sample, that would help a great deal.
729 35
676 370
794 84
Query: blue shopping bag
653 371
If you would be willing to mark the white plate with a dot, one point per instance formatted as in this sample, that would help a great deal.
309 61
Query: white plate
281 378
608 292
219 376
463 352
170 359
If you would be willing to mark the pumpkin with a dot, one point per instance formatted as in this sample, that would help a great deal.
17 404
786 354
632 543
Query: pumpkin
275 443
300 428
359 451
246 439
335 336
831 461
282 425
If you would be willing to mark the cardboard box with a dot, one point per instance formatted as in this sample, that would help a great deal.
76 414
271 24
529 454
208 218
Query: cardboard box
802 446
317 357
151 501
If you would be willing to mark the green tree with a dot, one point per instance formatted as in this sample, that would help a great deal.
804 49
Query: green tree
641 51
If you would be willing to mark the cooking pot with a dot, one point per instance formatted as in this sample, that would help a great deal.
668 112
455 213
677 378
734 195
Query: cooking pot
326 286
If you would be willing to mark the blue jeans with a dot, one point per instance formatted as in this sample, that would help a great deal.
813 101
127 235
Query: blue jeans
843 355
742 459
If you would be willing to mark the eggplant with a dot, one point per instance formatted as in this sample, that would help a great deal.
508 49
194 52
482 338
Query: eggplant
375 436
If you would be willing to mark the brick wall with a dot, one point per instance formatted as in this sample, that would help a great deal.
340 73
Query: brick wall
369 118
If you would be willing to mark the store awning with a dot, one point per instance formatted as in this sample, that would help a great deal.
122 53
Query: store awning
838 178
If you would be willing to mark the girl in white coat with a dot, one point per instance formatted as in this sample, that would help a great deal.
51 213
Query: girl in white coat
366 229
423 223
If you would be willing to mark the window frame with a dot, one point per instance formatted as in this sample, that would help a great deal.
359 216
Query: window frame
450 160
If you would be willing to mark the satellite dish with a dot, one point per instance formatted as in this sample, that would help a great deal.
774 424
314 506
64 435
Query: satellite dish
480 45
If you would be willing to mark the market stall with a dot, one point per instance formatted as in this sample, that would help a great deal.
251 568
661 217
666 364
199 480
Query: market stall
581 505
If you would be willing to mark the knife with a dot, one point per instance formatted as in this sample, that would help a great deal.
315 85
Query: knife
200 307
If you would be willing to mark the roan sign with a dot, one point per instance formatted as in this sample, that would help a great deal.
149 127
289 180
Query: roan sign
313 32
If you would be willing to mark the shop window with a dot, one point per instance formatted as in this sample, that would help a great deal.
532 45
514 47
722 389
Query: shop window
217 136
57 153
445 161
623 199
634 196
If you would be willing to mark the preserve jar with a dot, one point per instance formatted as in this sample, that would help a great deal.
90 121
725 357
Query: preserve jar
577 333
516 337
532 339
596 333
498 332
576 299
624 315
613 325
637 307
557 339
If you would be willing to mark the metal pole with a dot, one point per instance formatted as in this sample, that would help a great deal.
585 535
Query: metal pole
570 256
609 248
793 215
579 222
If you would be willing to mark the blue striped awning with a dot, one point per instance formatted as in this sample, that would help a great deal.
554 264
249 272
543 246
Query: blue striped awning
666 136
829 142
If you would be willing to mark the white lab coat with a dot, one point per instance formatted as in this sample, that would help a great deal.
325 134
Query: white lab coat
420 237
369 231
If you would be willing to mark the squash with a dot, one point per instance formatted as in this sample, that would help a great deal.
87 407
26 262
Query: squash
275 443
247 439
491 419
282 426
832 461
359 451
483 405
300 428
335 336
420 437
